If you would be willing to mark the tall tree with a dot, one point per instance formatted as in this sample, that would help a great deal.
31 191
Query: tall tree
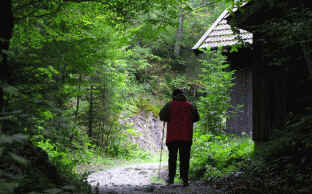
5 36
179 34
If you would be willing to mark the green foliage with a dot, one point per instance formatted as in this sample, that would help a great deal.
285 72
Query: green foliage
147 105
67 159
124 149
26 169
74 68
288 31
217 155
8 185
215 83
281 165
57 60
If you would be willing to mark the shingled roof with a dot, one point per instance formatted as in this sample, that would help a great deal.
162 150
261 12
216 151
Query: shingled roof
220 34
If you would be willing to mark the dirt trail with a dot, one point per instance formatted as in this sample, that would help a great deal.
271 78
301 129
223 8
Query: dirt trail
137 179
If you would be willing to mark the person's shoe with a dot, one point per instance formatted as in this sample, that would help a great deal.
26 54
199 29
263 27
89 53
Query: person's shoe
170 181
185 184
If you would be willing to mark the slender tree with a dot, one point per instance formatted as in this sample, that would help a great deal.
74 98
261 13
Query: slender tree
179 34
5 36
90 131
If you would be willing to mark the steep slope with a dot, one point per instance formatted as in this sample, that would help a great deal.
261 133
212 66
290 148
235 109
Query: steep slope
148 131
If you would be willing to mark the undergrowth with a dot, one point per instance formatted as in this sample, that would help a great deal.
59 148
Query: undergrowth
48 169
27 169
218 154
282 165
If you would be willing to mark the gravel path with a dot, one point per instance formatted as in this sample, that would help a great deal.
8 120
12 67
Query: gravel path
137 179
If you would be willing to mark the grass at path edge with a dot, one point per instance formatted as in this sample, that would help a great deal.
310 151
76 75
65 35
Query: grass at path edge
106 162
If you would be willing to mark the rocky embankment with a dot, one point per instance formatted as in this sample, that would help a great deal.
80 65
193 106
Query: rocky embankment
149 131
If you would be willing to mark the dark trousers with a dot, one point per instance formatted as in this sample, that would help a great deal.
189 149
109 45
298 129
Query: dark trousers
184 149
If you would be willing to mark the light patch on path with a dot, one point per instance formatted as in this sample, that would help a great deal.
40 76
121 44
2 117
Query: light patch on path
136 179
125 178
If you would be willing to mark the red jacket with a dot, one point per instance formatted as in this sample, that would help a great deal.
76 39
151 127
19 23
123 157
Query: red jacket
180 115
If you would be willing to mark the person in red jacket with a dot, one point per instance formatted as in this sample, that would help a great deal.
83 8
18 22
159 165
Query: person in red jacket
180 115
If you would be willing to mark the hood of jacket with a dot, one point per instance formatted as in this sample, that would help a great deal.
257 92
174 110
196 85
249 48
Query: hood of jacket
180 97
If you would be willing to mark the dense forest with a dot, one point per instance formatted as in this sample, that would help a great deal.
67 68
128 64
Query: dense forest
72 70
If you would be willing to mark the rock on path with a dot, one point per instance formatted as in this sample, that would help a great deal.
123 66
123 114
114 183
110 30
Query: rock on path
136 179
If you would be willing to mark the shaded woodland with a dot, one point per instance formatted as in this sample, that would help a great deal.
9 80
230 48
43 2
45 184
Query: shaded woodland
70 70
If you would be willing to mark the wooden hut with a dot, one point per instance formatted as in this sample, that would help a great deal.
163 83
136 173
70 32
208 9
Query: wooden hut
274 90
221 34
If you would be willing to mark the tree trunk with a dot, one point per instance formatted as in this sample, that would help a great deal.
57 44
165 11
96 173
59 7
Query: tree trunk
269 96
78 98
90 112
5 36
179 35
261 97
307 57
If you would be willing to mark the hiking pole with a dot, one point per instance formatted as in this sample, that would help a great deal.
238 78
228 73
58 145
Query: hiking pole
161 146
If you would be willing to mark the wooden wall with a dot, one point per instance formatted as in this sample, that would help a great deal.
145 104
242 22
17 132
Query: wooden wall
241 95
263 92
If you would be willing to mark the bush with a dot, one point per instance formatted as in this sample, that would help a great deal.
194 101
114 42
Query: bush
217 155
215 84
282 165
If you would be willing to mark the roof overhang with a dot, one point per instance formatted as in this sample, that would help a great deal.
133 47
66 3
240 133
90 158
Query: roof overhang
220 34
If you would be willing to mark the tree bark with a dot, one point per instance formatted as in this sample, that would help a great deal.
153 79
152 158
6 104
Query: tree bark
5 36
90 112
261 112
78 98
179 35
307 57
